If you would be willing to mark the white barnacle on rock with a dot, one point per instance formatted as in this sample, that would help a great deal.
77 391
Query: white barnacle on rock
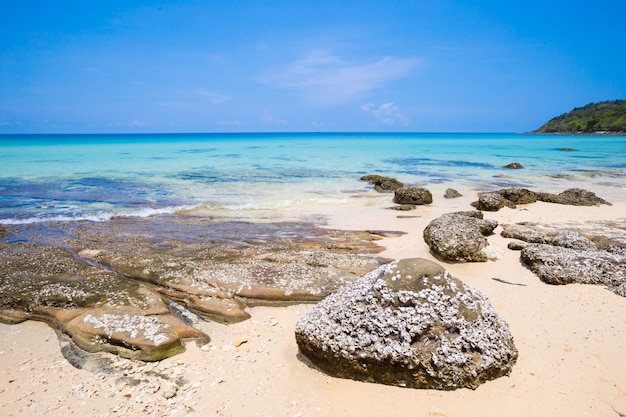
150 328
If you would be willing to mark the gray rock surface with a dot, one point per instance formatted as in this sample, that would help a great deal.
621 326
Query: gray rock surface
557 237
408 323
460 236
561 265
413 195
514 165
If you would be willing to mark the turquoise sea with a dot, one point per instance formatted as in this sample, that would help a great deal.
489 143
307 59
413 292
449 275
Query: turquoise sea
96 177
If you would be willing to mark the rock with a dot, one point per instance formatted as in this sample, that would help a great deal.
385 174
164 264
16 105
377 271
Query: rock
169 390
567 149
411 324
459 237
514 165
403 207
559 265
4 232
383 184
518 195
413 195
516 245
574 197
452 193
535 234
491 202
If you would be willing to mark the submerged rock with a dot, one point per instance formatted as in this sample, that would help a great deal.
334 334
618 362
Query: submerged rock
411 324
514 165
383 184
460 236
418 196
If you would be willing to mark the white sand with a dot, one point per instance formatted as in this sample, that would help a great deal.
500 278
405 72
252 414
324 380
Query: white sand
571 342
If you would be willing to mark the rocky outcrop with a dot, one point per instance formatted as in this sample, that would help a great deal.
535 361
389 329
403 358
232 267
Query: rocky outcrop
45 283
414 195
410 324
573 197
112 284
561 265
459 237
510 197
383 184
514 165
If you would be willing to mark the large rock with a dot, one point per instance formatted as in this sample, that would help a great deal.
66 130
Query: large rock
460 236
560 265
408 323
574 197
383 184
413 195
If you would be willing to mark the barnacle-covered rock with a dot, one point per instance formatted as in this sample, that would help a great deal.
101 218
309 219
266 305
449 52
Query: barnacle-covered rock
409 323
560 265
460 236
417 196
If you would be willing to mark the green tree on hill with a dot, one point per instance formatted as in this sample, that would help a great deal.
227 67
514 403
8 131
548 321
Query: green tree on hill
605 116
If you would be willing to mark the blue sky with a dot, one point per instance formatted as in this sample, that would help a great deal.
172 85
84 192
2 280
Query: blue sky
256 66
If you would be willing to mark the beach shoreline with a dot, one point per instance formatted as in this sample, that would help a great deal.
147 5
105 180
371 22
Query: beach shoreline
570 340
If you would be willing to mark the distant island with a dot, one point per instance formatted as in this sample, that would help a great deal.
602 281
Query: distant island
603 118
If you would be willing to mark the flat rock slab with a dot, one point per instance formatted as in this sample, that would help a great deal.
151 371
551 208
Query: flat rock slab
411 324
110 285
591 252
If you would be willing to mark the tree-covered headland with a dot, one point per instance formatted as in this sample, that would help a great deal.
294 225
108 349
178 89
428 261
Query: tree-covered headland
606 117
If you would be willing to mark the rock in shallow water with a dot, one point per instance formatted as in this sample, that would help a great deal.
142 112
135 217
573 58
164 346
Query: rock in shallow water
408 323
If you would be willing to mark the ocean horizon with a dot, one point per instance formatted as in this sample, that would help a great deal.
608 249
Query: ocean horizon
67 177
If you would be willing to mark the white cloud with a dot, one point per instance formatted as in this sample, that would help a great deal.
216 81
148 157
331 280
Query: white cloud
213 97
270 119
387 113
327 79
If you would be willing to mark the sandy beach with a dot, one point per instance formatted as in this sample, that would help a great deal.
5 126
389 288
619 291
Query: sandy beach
571 342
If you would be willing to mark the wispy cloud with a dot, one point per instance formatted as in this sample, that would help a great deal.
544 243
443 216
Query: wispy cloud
213 97
387 113
270 119
324 78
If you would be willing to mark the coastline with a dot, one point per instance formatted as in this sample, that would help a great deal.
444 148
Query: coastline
570 339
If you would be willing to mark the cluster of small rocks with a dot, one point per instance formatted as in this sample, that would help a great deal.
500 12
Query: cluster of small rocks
510 197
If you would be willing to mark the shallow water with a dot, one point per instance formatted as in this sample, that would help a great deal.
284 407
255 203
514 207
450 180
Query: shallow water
72 177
